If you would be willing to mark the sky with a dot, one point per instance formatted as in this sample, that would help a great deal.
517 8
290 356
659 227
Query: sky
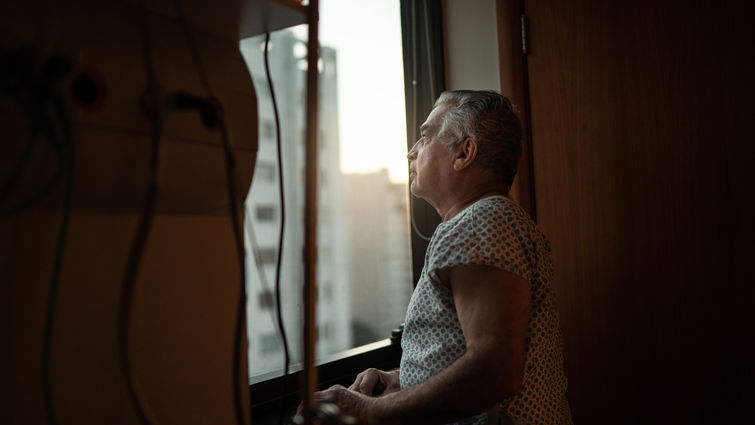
367 35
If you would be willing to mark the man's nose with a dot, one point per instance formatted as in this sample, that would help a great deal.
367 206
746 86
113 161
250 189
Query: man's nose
413 151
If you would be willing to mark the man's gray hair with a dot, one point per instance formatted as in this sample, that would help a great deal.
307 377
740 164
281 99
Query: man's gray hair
490 119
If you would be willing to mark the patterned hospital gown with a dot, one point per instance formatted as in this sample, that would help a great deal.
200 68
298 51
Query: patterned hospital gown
494 232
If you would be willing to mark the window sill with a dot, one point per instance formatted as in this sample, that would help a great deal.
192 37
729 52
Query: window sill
340 368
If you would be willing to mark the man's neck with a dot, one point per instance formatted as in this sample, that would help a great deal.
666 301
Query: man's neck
467 194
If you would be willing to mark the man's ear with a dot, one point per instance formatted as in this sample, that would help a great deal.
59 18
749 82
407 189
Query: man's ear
465 153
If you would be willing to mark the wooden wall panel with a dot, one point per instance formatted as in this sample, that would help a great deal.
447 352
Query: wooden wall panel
185 302
514 83
183 318
107 42
641 123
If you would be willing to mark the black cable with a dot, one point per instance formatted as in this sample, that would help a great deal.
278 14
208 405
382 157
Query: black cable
18 170
69 163
239 330
429 52
40 97
193 48
41 127
153 105
47 188
34 93
259 263
286 354
230 163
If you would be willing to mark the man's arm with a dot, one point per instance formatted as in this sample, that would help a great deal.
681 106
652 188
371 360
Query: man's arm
374 382
493 309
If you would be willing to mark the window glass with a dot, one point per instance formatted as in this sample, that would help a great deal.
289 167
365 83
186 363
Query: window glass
267 256
264 170
266 299
266 213
364 265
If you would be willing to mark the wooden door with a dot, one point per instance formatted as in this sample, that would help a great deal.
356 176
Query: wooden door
641 124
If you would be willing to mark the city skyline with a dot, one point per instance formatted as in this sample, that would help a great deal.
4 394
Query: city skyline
343 320
370 85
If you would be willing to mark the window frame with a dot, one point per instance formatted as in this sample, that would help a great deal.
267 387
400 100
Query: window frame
341 368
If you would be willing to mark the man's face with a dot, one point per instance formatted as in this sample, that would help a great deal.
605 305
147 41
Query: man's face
429 160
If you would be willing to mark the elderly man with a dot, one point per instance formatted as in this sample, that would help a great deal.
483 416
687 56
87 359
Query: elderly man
482 341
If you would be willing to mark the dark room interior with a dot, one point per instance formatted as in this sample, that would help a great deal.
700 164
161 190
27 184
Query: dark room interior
638 153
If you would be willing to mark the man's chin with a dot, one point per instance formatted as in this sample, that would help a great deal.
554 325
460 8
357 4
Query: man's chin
417 194
413 189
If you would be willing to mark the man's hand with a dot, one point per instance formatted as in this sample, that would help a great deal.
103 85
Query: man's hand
353 407
358 400
373 382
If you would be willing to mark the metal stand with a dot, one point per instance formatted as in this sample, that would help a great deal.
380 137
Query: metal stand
309 384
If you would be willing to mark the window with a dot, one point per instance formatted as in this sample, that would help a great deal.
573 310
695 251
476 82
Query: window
268 255
324 331
266 213
364 264
264 171
267 130
269 343
266 299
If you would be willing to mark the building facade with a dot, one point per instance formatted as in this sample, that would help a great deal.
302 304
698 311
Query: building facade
263 210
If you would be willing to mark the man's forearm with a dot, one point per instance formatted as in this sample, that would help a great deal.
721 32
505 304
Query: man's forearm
467 387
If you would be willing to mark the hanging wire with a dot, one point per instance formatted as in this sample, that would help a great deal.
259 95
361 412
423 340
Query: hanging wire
414 72
260 264
193 49
281 327
230 166
40 98
67 154
35 131
34 95
46 189
20 167
429 52
414 222
154 108
237 231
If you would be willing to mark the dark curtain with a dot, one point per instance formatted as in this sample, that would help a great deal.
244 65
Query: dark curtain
424 80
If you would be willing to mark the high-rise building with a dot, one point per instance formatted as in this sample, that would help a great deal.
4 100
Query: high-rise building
380 259
287 60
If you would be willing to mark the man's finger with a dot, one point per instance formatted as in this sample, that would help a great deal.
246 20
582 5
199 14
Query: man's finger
368 384
357 382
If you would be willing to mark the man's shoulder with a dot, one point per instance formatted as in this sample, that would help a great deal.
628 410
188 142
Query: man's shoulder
498 212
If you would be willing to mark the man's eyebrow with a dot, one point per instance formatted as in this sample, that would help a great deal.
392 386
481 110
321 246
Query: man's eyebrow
424 127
